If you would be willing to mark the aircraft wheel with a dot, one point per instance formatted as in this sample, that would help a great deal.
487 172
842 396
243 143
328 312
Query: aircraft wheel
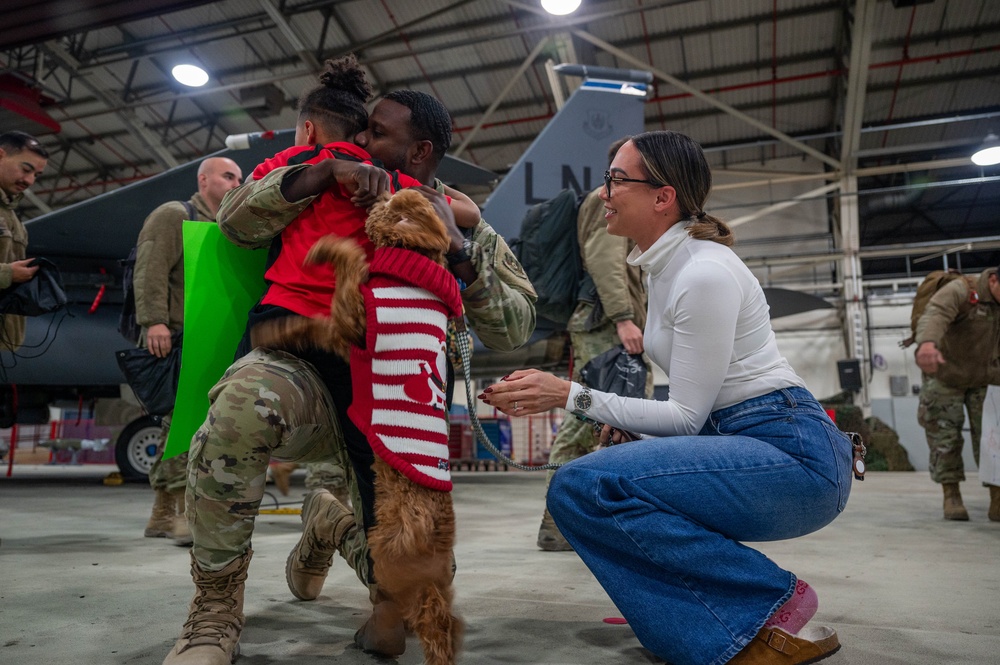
135 450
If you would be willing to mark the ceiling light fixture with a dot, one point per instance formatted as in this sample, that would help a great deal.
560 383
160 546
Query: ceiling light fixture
190 75
560 7
989 154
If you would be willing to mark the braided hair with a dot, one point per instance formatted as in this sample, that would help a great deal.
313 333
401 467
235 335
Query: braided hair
338 102
429 119
677 160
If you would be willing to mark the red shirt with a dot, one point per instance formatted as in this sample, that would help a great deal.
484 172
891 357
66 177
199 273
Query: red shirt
308 289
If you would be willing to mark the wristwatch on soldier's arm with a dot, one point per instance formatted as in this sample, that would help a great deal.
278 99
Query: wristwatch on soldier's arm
460 263
462 255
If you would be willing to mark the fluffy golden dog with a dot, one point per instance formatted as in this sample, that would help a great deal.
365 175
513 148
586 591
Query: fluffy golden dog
412 542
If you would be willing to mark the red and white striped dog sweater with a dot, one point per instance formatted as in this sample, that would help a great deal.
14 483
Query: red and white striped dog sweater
399 376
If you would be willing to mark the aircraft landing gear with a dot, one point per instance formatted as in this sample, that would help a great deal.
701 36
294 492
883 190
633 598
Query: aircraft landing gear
135 450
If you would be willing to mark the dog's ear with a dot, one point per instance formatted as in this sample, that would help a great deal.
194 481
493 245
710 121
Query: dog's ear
381 219
425 233
418 225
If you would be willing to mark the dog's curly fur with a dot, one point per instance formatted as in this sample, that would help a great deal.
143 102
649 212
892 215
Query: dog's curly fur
412 542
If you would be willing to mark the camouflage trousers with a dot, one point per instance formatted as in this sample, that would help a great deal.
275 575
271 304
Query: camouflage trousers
269 404
941 415
325 475
170 474
576 438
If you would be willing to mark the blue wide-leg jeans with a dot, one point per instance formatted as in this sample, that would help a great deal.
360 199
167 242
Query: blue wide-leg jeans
659 521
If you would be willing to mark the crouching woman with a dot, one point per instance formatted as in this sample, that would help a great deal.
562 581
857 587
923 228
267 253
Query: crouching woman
741 451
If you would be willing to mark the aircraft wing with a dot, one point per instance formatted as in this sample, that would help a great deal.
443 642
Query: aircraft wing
785 302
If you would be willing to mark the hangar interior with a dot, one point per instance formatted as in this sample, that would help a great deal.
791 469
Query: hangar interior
834 128
839 134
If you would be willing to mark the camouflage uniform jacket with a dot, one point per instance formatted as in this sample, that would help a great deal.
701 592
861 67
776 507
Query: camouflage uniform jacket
619 287
158 279
13 247
500 304
966 331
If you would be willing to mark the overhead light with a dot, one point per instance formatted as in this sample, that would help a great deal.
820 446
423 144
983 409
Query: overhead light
560 7
191 75
989 154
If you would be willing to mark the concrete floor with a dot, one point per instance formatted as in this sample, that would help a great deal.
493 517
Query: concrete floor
80 585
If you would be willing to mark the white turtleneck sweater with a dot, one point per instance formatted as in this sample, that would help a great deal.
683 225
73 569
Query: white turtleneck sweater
708 328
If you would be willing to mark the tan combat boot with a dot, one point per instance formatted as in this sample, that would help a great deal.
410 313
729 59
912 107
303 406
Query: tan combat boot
181 531
211 633
384 633
341 493
161 521
550 539
281 473
953 507
324 523
994 513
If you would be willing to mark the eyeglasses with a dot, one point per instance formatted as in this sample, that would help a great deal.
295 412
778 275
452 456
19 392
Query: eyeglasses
608 179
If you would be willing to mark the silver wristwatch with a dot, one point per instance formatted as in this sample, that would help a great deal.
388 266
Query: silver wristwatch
583 400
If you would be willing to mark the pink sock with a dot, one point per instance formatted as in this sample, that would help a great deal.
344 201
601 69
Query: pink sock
796 611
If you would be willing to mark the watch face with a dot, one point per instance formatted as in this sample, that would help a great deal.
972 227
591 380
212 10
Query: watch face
583 401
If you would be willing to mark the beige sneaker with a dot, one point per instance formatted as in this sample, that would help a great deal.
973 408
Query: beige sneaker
324 523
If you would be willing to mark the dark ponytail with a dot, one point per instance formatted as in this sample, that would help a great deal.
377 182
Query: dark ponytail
707 227
677 160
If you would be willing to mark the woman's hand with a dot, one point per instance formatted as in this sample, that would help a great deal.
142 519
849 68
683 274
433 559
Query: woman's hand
611 436
527 391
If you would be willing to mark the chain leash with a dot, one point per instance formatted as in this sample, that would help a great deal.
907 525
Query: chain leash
477 428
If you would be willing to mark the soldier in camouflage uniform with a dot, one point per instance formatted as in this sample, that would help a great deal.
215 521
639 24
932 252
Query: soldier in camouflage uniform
22 159
159 308
613 312
958 349
271 404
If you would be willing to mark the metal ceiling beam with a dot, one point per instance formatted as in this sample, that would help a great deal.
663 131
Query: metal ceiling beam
132 122
294 40
911 167
708 99
857 84
503 94
38 203
403 83
782 205
878 252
